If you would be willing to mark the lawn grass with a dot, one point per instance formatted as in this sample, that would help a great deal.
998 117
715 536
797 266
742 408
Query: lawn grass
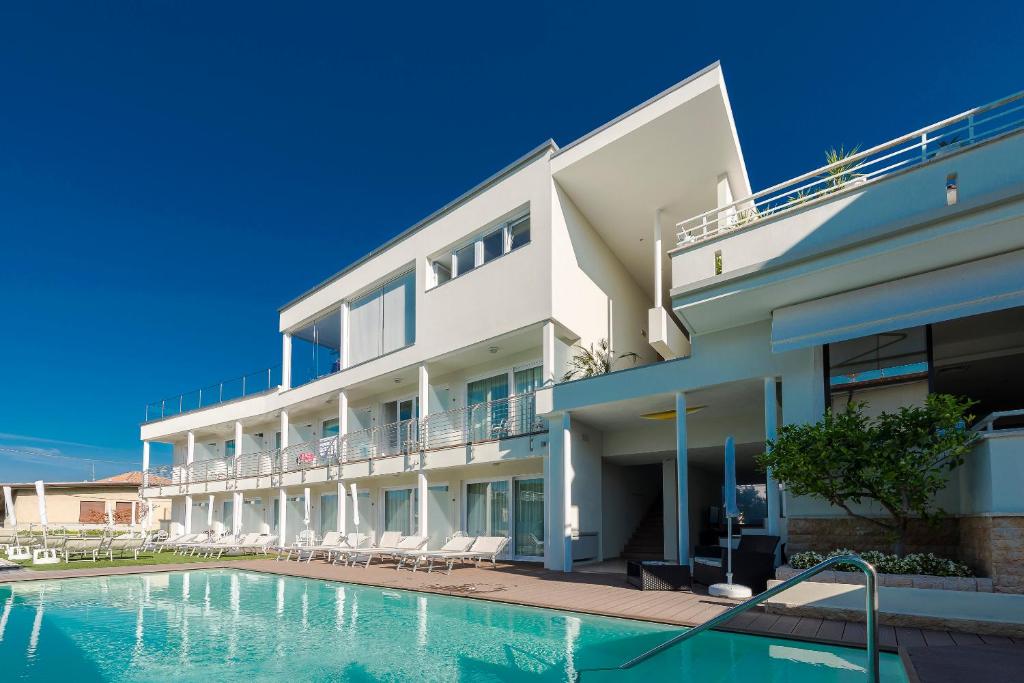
144 560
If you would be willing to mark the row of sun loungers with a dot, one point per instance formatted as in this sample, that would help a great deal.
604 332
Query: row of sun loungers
352 550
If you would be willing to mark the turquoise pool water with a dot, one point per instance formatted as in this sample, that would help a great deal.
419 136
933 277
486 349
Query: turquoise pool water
225 625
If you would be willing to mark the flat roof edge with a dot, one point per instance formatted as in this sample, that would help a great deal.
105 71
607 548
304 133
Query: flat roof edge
422 223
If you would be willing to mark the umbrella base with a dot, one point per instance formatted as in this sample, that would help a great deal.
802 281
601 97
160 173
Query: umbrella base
730 590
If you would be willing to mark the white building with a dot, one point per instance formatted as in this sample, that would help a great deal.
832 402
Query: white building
421 388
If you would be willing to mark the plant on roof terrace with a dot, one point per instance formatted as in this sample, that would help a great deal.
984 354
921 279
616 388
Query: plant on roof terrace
898 460
592 362
839 173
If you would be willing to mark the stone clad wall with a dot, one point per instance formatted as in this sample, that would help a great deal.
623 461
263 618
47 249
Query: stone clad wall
994 546
828 533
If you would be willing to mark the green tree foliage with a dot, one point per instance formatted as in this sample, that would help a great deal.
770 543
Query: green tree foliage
898 460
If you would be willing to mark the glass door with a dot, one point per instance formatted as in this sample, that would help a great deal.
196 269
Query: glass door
401 512
527 380
439 515
487 508
399 425
488 411
529 519
328 513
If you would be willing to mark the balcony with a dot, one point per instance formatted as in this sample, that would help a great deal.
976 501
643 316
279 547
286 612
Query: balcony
251 384
944 195
492 421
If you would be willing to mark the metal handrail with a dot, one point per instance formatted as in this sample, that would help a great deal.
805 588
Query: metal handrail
971 127
227 390
988 423
870 609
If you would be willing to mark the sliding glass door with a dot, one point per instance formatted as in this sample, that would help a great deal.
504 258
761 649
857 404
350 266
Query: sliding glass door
511 507
439 515
401 510
486 418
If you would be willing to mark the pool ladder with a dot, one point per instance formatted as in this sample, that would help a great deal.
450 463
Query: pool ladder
870 609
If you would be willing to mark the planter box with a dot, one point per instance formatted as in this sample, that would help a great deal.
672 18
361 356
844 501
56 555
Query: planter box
949 583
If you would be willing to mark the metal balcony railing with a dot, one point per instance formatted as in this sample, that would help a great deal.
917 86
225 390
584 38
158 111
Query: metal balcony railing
501 419
949 135
228 390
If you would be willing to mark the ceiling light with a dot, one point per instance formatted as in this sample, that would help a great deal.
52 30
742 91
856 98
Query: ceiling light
670 414
398 380
493 349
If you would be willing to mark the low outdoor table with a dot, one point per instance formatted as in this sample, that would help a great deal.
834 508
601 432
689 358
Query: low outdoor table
651 575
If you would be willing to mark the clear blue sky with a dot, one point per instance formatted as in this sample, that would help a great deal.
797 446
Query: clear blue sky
172 172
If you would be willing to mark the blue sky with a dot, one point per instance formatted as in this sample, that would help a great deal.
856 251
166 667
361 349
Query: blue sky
172 172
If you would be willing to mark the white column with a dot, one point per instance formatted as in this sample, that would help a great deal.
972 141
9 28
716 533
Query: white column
282 513
771 421
344 335
682 494
567 479
190 448
342 428
284 429
239 434
657 259
145 464
188 514
286 361
548 350
341 507
236 513
355 506
421 478
209 511
134 507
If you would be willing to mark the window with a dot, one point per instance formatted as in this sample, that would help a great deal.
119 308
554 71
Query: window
519 232
329 428
401 510
229 448
465 259
487 411
383 320
328 513
227 514
92 512
494 245
483 249
122 513
878 359
316 349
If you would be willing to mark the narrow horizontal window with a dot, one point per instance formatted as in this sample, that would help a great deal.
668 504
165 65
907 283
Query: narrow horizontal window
519 232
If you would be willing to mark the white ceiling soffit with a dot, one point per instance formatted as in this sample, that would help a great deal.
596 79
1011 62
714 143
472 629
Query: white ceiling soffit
981 286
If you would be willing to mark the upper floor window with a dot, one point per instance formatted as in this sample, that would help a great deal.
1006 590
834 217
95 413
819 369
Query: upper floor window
316 349
383 320
486 247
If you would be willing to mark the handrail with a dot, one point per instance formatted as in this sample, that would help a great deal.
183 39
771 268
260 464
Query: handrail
870 609
972 128
226 390
987 423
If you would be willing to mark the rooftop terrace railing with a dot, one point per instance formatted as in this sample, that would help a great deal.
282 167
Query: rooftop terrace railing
907 151
228 390
494 420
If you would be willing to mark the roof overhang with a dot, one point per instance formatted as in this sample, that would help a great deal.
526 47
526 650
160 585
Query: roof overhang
666 154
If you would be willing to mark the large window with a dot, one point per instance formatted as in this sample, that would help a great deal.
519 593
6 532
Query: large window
508 507
383 320
401 510
486 247
316 349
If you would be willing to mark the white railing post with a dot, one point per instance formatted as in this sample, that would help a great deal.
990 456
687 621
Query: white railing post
924 146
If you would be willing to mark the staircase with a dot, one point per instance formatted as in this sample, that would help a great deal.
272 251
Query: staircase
648 540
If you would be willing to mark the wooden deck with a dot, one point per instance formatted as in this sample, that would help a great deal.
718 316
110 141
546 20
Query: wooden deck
601 594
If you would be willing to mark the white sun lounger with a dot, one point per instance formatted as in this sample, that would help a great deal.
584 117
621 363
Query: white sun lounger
484 548
456 544
388 539
331 541
406 544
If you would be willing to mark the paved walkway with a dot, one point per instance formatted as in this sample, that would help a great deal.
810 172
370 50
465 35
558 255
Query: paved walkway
591 593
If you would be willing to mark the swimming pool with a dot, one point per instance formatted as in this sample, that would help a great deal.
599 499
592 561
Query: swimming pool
227 625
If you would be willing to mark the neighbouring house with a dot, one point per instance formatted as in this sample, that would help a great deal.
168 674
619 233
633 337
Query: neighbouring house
420 388
88 504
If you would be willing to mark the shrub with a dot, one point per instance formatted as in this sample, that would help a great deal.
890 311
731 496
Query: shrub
885 563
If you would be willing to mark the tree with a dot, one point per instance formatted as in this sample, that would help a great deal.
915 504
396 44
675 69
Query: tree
899 460
592 362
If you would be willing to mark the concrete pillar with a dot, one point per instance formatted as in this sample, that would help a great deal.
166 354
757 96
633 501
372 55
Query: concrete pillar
239 435
284 429
145 464
236 513
188 514
548 350
657 259
771 421
282 514
342 428
421 478
209 511
670 537
344 360
682 494
190 448
341 507
286 361
558 486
